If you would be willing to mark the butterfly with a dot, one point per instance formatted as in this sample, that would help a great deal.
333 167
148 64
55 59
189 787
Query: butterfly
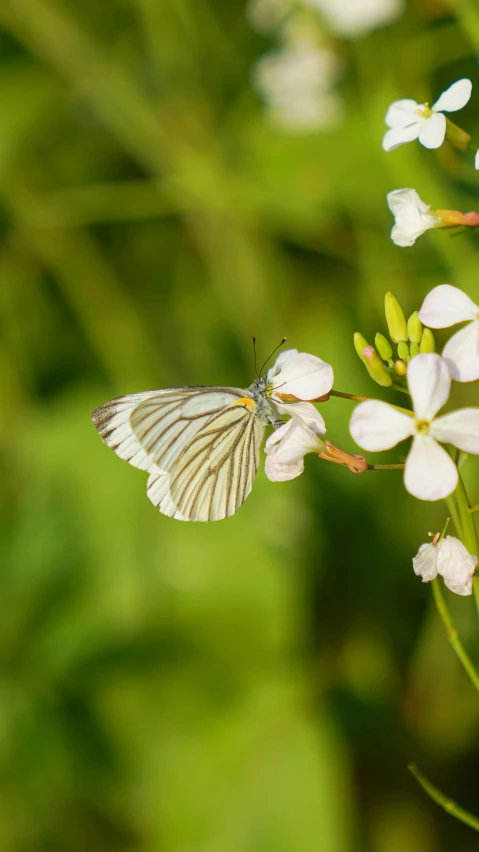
201 445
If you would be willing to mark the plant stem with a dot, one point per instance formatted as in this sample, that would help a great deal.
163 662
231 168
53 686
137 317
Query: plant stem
449 806
386 466
474 508
349 396
398 388
454 513
452 634
469 535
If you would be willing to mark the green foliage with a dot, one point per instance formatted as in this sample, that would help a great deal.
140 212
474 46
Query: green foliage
259 684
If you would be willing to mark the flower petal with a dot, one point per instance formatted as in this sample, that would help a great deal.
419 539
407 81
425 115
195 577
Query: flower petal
425 562
400 135
306 412
455 97
402 200
433 131
376 426
445 306
430 472
460 428
286 457
429 383
303 376
476 160
461 353
456 565
402 113
280 361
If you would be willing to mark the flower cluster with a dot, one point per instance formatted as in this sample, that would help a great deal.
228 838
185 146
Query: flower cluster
407 121
449 558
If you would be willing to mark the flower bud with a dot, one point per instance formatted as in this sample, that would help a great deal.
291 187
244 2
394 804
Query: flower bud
403 352
414 328
427 341
360 344
456 136
376 368
414 349
395 319
383 346
400 368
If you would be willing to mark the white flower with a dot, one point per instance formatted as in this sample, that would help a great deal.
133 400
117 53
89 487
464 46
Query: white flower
456 565
425 562
355 17
430 473
297 83
413 216
476 160
445 306
288 445
451 560
298 375
409 120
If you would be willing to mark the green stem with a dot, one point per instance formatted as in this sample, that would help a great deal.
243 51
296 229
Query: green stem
474 508
399 388
469 535
386 466
449 806
452 634
454 513
349 396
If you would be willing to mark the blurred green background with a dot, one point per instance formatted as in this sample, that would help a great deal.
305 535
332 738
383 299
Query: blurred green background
259 684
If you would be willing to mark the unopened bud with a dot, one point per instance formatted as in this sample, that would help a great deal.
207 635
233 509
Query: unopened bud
376 368
414 349
383 346
456 136
360 344
414 328
427 341
395 319
403 351
400 368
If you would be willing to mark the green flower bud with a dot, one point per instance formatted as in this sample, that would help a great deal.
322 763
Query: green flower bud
427 341
360 344
403 351
457 137
400 368
395 319
383 346
376 368
414 349
414 328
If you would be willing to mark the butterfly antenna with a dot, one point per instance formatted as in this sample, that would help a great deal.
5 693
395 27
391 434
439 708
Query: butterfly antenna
255 362
273 353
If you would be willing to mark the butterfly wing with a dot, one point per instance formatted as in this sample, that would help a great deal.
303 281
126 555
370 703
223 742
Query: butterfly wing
216 471
208 442
205 440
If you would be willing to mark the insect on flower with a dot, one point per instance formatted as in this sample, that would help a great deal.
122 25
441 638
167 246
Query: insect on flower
201 445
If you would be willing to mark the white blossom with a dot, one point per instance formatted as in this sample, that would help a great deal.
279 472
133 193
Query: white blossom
456 565
409 120
299 375
425 562
430 473
413 216
288 445
446 306
350 18
297 83
451 560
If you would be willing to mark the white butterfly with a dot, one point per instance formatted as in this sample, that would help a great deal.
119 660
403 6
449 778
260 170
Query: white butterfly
201 445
